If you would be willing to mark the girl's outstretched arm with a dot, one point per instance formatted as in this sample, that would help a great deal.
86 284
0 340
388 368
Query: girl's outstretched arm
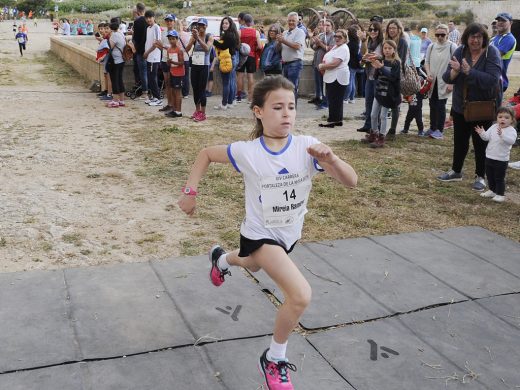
206 156
333 165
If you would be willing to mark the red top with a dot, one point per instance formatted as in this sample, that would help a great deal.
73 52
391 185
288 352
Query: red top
248 35
176 70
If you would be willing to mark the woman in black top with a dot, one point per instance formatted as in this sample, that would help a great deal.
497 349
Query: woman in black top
229 39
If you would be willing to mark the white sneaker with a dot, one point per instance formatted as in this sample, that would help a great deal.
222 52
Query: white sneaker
351 101
515 165
488 194
499 198
156 102
149 100
220 107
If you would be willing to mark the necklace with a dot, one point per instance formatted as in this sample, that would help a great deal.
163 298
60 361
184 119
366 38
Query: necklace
280 137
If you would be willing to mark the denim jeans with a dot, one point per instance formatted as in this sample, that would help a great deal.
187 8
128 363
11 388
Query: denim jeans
379 114
350 94
233 79
318 83
370 91
292 72
143 75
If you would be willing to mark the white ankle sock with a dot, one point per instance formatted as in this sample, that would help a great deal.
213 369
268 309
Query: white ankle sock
222 262
276 351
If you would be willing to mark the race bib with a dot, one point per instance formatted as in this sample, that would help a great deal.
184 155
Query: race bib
198 57
174 57
21 40
284 198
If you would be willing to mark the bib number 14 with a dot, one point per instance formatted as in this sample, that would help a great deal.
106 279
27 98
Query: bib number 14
291 195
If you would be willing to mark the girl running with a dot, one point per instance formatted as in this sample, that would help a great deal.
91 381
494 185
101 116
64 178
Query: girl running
277 168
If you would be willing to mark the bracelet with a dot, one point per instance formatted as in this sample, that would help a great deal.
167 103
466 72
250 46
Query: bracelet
189 191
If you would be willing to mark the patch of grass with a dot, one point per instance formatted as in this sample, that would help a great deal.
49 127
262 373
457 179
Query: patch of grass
46 246
151 238
3 242
72 238
174 129
397 188
58 71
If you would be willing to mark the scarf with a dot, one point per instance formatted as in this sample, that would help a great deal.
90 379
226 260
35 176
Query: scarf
438 57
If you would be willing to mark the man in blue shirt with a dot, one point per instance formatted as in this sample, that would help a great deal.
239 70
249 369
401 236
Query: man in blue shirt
505 42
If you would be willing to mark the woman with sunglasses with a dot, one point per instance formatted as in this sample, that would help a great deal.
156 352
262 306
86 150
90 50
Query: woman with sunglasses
372 48
436 61
395 32
271 59
336 77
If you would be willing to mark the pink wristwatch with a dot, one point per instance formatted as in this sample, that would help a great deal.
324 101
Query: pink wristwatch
189 191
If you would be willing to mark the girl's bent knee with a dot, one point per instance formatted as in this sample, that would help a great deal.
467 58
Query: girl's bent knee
302 298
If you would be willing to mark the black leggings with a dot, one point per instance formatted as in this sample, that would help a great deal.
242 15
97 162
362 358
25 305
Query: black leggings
415 112
496 175
199 79
22 46
462 132
116 78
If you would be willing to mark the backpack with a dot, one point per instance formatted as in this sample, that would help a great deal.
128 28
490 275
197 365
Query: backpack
225 62
271 59
128 52
243 51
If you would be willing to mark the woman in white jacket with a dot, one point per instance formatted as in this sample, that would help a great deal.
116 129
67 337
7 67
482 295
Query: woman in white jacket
436 61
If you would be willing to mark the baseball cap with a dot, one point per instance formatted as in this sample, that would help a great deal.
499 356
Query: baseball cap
203 21
172 33
505 16
169 17
424 29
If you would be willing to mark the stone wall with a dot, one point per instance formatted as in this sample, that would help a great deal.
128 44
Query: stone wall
80 53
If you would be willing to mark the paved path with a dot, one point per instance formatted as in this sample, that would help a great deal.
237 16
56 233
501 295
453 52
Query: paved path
429 310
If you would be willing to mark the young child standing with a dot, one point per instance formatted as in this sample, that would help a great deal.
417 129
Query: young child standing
277 168
103 50
388 91
22 39
176 63
501 136
152 54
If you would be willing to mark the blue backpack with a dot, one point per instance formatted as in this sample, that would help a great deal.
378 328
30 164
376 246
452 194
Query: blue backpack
271 59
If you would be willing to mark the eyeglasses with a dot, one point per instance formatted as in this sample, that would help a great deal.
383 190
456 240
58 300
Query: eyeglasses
372 30
440 35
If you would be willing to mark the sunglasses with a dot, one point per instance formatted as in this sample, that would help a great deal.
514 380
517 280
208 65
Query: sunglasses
372 30
440 35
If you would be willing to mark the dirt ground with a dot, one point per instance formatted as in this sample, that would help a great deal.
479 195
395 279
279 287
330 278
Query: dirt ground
69 195
69 192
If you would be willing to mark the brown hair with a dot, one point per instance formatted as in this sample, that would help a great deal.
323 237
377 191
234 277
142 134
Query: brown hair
391 42
261 91
472 29
510 111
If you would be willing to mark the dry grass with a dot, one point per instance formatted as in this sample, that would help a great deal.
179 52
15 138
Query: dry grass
397 190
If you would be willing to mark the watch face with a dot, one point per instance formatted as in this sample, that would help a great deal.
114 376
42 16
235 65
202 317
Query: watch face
187 190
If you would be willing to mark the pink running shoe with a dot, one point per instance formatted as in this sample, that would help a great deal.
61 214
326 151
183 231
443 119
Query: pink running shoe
201 117
122 103
276 375
194 115
216 275
113 104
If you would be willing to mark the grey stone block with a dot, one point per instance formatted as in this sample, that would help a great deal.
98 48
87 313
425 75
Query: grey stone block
121 310
496 249
453 265
66 377
386 354
236 309
472 338
34 320
505 307
237 364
